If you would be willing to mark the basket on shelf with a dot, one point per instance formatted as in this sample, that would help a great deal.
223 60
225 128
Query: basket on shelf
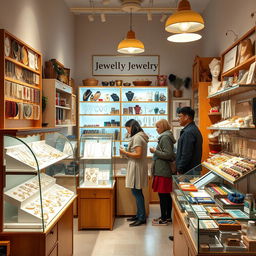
142 83
90 82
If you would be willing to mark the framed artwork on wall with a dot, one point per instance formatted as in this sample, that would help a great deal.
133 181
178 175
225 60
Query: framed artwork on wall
230 59
176 133
178 104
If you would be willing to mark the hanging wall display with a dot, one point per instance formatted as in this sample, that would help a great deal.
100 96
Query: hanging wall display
111 65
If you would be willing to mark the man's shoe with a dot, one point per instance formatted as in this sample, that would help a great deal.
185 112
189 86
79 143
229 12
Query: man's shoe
169 220
137 223
134 218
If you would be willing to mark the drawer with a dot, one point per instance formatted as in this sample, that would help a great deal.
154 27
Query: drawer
95 193
51 239
63 87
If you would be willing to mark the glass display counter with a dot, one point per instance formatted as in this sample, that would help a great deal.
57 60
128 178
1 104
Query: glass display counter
32 198
214 215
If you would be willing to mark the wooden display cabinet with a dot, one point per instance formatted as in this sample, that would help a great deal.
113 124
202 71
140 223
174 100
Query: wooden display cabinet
125 201
55 238
21 83
96 208
61 104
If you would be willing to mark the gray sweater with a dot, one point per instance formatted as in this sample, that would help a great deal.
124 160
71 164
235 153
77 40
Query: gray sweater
164 155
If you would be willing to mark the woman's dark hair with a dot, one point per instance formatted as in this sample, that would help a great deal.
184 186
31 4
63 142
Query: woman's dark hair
134 125
187 111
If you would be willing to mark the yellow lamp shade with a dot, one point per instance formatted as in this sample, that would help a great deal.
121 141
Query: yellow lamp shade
184 37
130 45
184 20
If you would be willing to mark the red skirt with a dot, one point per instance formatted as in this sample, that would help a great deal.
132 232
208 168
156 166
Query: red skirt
162 184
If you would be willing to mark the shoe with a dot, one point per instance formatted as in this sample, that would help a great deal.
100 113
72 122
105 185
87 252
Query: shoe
169 220
170 238
134 218
137 223
159 222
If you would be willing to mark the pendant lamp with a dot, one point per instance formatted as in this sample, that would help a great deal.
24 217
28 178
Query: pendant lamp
184 37
184 20
130 45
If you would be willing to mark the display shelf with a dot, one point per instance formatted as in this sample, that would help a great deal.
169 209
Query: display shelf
19 157
20 101
99 114
21 83
57 106
145 115
215 143
230 128
244 65
59 94
149 101
99 102
214 114
100 127
22 65
234 90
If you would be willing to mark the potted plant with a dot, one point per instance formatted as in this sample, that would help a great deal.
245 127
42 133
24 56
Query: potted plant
177 83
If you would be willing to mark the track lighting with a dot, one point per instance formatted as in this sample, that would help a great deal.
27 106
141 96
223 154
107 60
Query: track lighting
163 18
90 17
103 17
149 16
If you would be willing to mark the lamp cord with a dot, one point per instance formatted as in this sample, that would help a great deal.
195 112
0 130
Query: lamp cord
131 19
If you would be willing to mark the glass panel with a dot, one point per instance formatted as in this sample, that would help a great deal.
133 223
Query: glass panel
214 220
33 198
96 168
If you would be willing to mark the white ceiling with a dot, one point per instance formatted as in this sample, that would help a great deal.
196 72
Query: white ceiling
196 5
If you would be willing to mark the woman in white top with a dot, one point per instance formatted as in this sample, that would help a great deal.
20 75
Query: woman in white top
137 169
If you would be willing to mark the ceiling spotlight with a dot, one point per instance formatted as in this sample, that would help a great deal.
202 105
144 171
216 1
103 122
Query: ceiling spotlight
103 17
163 18
149 16
90 18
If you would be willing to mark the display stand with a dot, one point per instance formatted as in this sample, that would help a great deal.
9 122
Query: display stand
96 191
37 213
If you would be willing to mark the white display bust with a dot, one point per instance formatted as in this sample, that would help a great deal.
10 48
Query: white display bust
215 71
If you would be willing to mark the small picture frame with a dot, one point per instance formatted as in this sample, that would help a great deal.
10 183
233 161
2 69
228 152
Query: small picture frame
230 59
252 74
178 104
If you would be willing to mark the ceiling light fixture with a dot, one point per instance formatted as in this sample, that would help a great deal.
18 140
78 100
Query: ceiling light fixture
184 20
184 37
103 17
130 45
163 17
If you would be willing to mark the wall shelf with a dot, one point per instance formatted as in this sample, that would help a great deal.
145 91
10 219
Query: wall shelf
237 89
214 114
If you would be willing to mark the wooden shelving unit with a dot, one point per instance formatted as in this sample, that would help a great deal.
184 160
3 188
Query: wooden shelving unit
59 95
21 80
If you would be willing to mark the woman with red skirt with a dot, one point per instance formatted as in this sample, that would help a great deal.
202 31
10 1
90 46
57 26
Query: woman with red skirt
163 155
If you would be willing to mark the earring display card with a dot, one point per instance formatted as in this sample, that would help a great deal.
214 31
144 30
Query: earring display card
95 149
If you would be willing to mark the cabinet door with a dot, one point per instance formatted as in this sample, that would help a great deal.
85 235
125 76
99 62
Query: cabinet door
65 233
95 213
180 247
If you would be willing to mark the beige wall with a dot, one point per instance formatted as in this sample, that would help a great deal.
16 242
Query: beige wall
46 25
102 38
221 15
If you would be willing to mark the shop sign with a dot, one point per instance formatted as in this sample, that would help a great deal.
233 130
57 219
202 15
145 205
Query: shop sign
110 65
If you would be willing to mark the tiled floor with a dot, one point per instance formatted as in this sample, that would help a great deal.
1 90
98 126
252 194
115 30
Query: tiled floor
123 240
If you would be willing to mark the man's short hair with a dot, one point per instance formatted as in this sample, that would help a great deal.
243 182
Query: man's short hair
187 111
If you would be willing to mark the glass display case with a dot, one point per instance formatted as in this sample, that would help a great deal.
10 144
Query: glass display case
32 198
217 217
106 109
96 168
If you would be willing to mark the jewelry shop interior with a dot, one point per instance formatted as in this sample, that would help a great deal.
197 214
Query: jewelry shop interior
104 103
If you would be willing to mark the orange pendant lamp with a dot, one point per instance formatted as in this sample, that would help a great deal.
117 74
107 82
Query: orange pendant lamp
130 45
184 20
